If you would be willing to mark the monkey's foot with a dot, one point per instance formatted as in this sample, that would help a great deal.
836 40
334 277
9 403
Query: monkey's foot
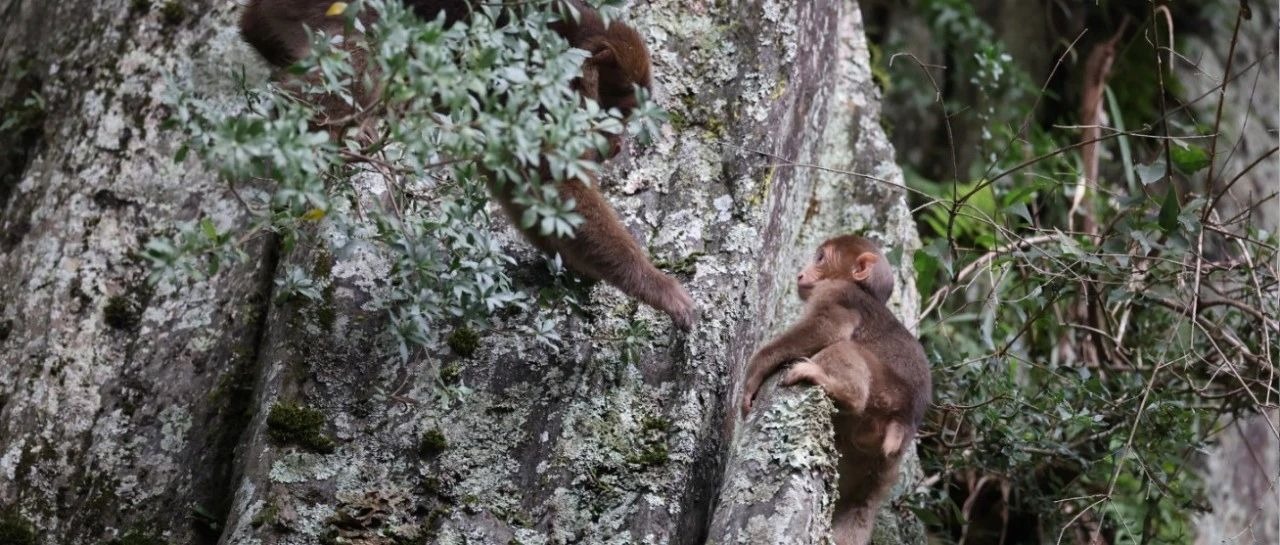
805 371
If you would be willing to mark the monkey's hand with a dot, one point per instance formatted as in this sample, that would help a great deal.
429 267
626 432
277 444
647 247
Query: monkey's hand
811 334
759 368
677 303
804 371
603 249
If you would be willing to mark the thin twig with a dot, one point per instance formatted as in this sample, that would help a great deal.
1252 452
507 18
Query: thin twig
1214 203
1213 147
937 98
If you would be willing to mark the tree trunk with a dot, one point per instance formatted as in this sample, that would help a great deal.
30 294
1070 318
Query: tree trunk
212 412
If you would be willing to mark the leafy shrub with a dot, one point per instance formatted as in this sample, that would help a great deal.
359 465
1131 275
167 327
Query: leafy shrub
487 101
1085 352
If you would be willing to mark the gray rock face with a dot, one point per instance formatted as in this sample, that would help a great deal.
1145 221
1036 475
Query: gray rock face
211 413
1240 472
1249 121
1241 484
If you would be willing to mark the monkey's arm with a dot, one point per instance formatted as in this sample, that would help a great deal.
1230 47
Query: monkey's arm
601 248
824 323
842 370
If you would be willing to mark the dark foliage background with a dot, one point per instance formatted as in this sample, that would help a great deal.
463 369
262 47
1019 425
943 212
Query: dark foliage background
1098 209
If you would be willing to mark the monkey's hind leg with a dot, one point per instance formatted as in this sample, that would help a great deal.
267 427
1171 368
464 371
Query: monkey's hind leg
841 371
853 525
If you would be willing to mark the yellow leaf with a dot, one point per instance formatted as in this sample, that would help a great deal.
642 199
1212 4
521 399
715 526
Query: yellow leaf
336 8
314 214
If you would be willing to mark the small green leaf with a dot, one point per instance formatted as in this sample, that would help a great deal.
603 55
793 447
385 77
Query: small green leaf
1189 159
1169 211
926 271
1019 195
1020 209
215 264
941 252
986 240
210 230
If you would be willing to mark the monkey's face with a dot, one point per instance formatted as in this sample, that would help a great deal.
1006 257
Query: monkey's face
816 270
852 258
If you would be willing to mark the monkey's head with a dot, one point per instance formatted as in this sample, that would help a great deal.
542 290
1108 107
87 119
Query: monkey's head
621 59
849 257
617 66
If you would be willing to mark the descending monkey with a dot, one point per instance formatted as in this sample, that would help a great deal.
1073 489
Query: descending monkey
619 62
618 58
849 344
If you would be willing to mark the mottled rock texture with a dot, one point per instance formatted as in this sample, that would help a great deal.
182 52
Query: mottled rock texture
213 413
1242 472
1250 124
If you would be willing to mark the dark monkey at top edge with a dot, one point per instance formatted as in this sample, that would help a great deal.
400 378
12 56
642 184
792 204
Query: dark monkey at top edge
601 248
850 345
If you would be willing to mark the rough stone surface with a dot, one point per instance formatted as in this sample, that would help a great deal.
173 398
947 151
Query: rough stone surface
1242 473
1242 485
119 402
1250 125
129 411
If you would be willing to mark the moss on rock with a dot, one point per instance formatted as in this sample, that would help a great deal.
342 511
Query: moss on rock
451 372
173 12
464 341
268 515
138 537
120 313
295 424
433 443
16 529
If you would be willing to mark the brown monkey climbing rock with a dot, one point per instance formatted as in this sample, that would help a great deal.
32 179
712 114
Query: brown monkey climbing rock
850 345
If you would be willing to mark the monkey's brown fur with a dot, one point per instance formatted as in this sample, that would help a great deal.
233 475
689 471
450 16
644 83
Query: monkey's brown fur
849 344
619 61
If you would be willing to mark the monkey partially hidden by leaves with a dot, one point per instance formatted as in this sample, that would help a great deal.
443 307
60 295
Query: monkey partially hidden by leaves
850 345
618 64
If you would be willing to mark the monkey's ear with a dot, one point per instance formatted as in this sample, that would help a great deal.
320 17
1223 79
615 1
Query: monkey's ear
873 273
864 266
895 434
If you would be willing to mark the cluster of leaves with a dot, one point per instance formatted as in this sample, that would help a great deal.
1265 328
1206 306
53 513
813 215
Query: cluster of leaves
486 102
1085 357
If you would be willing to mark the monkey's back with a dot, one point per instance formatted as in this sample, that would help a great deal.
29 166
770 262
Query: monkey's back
899 369
277 28
898 392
